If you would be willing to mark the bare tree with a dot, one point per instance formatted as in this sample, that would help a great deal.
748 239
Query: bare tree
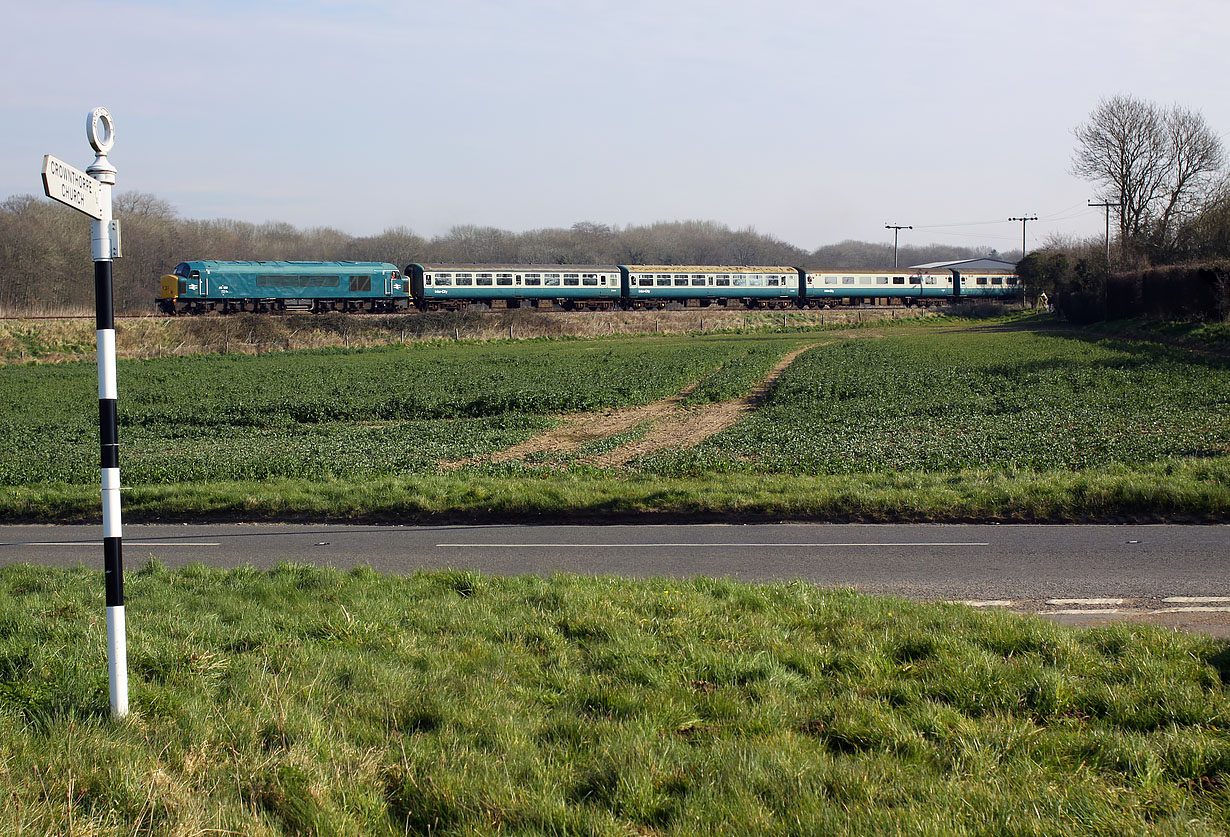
1157 164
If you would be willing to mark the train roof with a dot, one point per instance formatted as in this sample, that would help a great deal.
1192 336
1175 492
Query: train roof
217 264
706 268
519 268
875 271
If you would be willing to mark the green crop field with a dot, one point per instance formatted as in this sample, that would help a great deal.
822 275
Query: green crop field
339 414
938 420
946 401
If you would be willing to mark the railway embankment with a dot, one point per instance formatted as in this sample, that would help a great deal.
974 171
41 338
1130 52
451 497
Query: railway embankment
71 337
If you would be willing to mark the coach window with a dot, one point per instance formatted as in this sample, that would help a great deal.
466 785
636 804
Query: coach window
722 281
589 279
444 279
572 279
774 281
997 280
603 280
898 280
503 279
664 281
982 280
698 281
482 279
881 280
915 280
1012 280
758 281
930 280
681 281
465 279
740 281
551 279
533 279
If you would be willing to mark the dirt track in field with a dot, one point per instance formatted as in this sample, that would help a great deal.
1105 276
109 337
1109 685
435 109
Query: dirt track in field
671 425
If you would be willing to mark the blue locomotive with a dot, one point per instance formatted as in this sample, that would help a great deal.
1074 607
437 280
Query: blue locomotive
262 287
198 287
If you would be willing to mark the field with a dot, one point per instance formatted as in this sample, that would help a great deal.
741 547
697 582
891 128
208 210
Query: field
310 701
927 420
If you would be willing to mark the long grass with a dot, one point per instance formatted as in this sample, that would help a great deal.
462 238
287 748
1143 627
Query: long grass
311 701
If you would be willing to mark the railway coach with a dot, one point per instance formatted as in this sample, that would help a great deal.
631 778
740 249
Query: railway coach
826 286
656 286
200 286
570 286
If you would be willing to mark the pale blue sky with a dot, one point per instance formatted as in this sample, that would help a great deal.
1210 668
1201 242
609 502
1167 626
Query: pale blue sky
811 121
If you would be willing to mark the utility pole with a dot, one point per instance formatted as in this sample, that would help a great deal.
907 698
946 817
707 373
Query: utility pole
1107 206
1024 219
896 228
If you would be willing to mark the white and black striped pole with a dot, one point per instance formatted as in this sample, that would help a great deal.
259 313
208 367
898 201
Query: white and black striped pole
102 136
89 192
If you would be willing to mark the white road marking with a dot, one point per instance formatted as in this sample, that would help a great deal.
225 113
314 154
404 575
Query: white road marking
986 603
1102 611
689 545
97 544
1084 601
1193 599
1192 610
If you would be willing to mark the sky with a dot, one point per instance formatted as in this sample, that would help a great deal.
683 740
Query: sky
813 122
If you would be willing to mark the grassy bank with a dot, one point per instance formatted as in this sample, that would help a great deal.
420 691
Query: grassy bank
310 701
1194 491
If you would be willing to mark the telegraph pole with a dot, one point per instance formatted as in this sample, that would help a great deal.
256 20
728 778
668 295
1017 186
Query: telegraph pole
1107 206
896 228
1024 219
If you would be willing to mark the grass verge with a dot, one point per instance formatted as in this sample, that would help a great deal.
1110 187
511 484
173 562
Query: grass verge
1196 491
312 701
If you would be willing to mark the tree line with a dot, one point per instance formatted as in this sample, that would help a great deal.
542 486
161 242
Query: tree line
1161 172
45 255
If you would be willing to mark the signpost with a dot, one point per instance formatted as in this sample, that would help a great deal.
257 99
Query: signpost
89 192
71 187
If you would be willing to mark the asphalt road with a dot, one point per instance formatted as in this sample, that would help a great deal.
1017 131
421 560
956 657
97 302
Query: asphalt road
921 561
